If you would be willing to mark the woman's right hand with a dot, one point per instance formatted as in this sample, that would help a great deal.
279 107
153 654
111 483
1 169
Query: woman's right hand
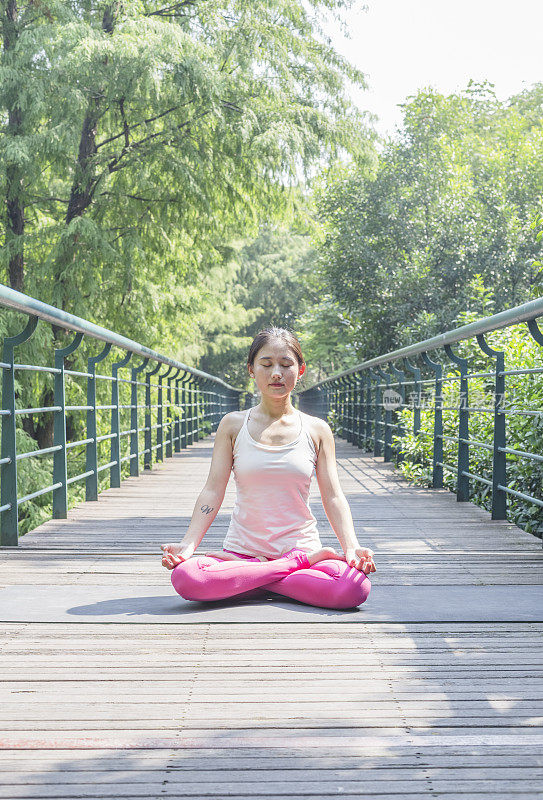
175 554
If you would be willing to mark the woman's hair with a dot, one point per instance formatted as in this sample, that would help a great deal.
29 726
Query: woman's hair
264 336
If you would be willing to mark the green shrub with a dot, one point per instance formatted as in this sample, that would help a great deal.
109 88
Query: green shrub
524 393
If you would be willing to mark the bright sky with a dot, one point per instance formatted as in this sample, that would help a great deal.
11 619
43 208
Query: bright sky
405 45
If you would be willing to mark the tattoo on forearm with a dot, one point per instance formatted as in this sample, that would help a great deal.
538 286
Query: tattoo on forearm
206 509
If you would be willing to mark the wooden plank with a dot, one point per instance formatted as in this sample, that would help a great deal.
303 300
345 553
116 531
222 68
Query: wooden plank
295 786
266 793
343 740
211 693
290 775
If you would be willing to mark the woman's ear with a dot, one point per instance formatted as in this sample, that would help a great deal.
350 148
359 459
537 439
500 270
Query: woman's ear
302 370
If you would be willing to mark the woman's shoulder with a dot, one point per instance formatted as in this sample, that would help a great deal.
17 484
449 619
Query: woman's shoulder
232 423
316 427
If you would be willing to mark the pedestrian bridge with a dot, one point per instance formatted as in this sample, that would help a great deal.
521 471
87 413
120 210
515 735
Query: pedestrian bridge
116 687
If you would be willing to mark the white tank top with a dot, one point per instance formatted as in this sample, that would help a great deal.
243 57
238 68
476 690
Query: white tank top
271 514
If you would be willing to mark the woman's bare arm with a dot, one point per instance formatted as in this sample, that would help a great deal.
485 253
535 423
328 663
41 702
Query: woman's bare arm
335 503
210 498
333 500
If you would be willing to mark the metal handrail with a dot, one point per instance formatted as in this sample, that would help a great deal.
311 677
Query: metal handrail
9 298
193 398
522 313
356 398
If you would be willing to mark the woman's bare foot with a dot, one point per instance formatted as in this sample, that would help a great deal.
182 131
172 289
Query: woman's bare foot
324 553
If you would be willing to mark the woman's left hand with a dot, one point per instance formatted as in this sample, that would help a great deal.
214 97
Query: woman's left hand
361 558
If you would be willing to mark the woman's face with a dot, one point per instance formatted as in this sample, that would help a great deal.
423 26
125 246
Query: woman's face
275 363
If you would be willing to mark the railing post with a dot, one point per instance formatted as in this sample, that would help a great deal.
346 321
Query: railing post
215 400
359 399
148 455
115 469
416 394
60 467
335 402
134 422
169 440
362 410
208 403
160 417
462 489
197 395
345 411
347 407
218 408
499 463
387 438
377 413
321 401
401 391
369 409
212 406
344 394
191 405
350 407
185 406
177 426
437 455
198 400
91 483
353 415
203 406
9 533
537 335
223 405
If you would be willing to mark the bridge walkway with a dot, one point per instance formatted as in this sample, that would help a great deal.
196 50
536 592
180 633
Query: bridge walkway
432 688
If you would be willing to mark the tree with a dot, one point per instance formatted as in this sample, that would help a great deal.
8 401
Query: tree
141 139
452 195
269 286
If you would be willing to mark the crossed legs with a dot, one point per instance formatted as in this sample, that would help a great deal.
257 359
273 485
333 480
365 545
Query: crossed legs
327 584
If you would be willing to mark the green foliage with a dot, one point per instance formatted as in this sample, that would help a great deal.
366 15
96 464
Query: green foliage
267 286
152 137
524 393
332 418
457 193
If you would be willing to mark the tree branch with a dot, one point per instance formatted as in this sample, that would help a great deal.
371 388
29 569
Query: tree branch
143 122
113 165
126 128
39 199
172 11
141 199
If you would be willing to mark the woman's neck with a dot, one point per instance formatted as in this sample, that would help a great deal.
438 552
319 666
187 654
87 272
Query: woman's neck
276 408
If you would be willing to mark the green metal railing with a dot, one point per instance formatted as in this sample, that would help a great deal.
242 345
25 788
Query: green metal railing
367 399
193 401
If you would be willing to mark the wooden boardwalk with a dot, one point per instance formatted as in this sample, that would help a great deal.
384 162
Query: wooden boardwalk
393 710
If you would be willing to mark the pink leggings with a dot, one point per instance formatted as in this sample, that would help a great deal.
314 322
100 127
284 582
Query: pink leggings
328 584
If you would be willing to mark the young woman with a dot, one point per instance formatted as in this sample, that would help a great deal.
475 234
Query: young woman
272 543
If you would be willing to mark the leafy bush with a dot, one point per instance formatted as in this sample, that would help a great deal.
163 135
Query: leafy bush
524 431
